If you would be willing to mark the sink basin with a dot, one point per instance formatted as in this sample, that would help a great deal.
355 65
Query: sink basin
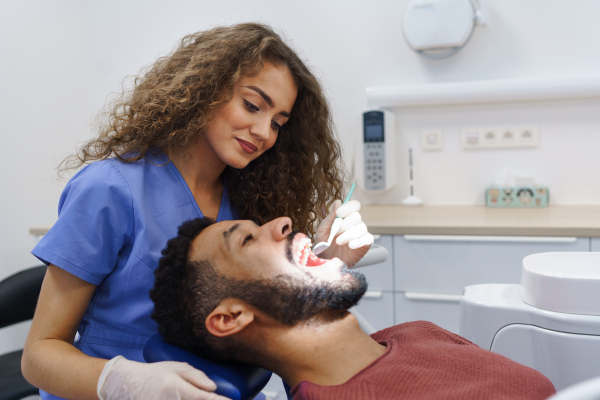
562 282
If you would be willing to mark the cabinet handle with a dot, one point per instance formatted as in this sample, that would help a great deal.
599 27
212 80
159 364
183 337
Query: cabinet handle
433 296
373 294
459 238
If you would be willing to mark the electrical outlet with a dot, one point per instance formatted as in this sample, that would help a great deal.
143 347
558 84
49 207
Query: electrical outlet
500 138
490 137
432 140
508 137
528 136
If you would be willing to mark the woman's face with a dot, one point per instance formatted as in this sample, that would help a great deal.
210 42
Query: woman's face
248 125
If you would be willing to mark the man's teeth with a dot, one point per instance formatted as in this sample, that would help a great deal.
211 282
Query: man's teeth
303 251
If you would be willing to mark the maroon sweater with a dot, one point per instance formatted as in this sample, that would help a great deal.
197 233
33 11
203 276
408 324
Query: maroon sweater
423 361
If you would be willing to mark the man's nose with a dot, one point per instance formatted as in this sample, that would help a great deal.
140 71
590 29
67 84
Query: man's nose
279 228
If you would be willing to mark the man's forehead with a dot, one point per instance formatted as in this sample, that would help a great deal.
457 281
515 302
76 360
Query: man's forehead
217 237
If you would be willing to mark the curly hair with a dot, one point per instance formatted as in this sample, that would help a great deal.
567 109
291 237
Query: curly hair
173 100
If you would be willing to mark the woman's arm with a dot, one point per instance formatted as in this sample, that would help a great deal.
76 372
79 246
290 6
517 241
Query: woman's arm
50 361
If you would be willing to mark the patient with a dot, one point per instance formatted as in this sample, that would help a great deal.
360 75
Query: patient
234 291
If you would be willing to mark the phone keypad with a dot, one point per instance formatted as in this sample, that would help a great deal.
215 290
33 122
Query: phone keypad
374 156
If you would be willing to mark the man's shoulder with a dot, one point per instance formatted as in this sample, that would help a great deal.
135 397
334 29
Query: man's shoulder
417 331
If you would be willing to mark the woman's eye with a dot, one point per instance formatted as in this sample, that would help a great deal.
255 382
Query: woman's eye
247 239
251 106
276 126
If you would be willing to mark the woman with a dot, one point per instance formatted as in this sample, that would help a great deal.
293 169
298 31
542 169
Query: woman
231 125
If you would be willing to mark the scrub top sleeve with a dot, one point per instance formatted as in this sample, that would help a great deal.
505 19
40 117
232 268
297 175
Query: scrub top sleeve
95 221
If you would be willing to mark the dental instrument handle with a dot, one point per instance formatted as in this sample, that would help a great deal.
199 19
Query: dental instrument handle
347 199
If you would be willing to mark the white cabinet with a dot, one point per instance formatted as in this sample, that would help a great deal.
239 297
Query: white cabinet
442 312
430 272
443 264
377 306
381 276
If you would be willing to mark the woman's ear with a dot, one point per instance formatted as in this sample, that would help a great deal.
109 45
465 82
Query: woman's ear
229 317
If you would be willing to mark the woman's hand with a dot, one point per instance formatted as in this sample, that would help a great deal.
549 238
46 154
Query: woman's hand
131 380
352 241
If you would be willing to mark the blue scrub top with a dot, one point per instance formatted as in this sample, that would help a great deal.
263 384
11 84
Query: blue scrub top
114 220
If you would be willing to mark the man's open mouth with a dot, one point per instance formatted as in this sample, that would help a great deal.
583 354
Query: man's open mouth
304 256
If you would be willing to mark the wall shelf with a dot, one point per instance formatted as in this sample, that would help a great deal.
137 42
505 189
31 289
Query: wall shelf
490 91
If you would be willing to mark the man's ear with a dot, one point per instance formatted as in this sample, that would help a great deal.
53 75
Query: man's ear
229 317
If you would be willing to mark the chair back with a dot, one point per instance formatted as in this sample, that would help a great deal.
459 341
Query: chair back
19 294
235 381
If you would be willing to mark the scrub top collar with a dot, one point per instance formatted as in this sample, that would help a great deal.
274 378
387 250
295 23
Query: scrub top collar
224 208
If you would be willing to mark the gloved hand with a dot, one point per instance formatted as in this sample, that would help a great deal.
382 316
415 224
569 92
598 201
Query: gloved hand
122 379
352 241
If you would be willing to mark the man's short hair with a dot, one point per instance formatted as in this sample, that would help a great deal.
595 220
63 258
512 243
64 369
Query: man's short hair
176 279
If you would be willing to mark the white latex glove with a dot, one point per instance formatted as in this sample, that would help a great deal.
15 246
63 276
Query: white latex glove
122 379
352 241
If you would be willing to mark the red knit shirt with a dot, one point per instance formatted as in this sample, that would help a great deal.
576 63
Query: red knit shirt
423 361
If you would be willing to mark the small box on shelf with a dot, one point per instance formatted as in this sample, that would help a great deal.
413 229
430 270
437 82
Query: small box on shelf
517 196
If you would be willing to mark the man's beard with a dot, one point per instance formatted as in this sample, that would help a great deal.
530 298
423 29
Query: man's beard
291 299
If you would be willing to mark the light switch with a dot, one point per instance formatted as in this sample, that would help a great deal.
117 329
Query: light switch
432 140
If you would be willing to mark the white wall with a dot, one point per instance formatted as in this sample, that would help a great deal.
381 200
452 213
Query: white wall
45 108
60 59
355 44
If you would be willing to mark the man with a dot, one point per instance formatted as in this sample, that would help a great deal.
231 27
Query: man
234 291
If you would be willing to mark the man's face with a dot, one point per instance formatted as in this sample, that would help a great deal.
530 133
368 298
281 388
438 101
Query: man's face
243 250
267 268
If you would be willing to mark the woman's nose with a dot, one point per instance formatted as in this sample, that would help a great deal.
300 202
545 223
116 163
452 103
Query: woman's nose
279 228
261 129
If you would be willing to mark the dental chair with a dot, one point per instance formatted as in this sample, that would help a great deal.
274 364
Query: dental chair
18 298
239 381
234 381
586 390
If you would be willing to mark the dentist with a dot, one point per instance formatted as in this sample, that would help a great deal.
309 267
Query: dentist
231 125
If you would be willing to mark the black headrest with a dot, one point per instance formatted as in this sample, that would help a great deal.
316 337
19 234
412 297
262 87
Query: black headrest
19 294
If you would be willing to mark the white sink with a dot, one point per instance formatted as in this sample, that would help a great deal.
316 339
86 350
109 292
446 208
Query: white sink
562 282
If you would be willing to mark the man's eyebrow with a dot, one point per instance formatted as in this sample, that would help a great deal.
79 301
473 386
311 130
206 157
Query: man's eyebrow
268 99
227 233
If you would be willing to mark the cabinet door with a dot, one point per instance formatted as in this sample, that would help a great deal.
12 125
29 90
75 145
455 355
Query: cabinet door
444 313
381 276
595 244
377 308
446 264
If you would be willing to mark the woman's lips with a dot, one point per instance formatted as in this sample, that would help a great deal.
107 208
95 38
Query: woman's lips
247 146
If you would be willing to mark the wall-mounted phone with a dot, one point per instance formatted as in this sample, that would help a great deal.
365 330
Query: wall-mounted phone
378 149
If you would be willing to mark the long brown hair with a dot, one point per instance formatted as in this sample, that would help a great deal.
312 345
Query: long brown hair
173 100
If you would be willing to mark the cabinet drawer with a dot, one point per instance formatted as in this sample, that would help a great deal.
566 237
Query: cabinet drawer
377 308
446 264
444 313
381 276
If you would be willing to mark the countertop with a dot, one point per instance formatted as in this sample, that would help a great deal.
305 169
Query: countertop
577 220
